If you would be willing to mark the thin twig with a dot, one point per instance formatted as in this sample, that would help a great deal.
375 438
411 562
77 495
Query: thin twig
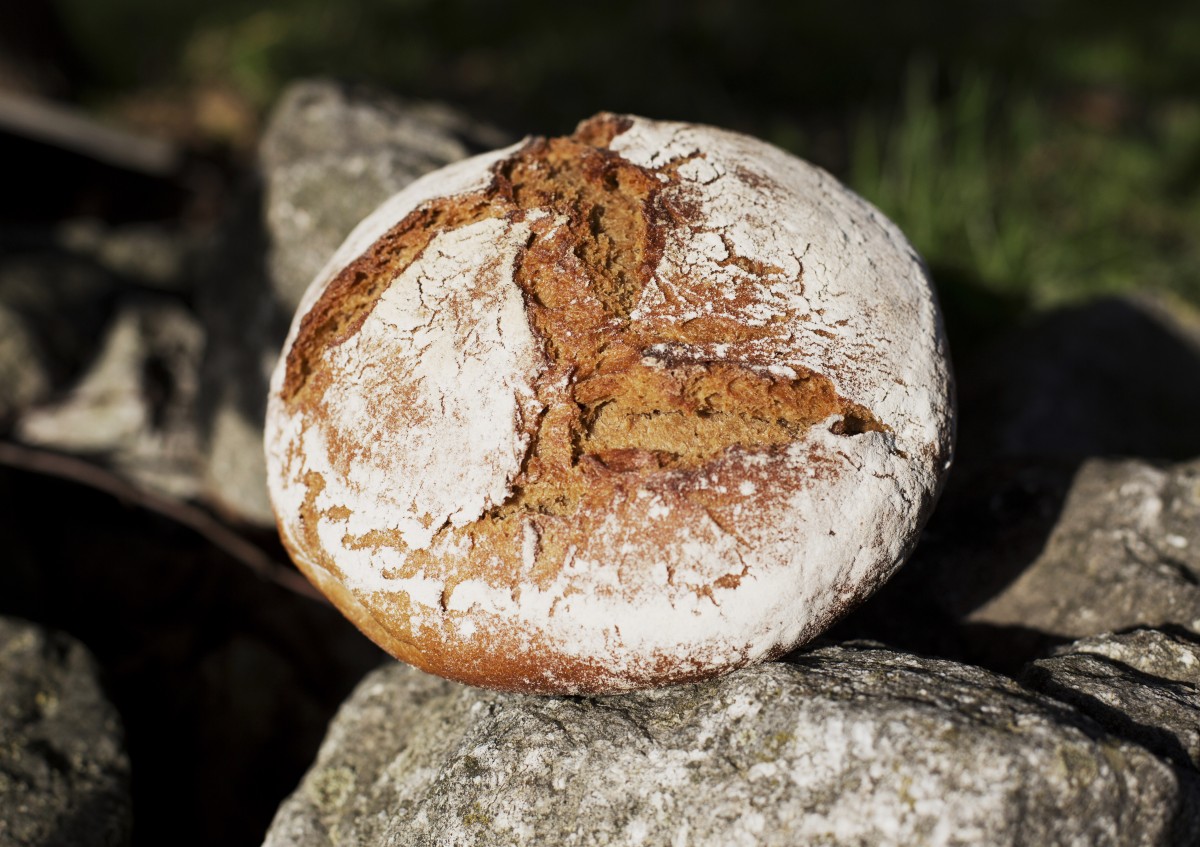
218 534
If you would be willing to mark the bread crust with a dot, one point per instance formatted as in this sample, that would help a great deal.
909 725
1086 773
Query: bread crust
632 407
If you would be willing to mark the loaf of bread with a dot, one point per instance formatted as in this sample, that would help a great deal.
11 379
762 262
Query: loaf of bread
632 407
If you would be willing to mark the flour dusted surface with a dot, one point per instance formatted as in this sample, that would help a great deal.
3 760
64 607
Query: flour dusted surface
436 400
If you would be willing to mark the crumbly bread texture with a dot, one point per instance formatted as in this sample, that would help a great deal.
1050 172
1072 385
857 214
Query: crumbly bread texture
632 407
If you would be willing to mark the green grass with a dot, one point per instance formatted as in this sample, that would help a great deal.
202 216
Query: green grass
1036 199
1052 154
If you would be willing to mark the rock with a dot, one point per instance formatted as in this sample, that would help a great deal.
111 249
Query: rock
150 255
57 290
135 406
1125 552
64 774
24 376
1142 685
1037 539
331 153
1027 556
847 745
244 327
53 307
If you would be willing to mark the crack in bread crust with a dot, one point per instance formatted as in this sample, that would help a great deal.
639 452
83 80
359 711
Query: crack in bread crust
621 402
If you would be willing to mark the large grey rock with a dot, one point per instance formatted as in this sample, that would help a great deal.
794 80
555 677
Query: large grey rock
1143 685
64 774
850 745
330 154
135 405
1125 552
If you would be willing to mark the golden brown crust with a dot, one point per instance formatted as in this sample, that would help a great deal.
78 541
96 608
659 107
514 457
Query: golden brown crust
624 412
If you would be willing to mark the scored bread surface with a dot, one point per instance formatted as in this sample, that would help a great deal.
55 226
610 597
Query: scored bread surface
635 406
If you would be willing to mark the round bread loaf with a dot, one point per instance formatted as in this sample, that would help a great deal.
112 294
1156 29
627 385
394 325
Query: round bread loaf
636 406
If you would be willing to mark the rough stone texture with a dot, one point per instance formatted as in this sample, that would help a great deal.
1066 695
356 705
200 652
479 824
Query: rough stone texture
332 153
1142 685
1026 556
1125 552
847 745
64 775
329 155
135 405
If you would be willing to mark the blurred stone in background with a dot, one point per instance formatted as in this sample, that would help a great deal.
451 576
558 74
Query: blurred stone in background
333 152
135 404
64 772
1115 376
1035 544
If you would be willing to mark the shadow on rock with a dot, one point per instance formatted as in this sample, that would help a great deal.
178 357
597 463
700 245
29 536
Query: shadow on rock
1035 542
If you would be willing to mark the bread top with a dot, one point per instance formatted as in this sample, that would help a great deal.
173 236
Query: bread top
633 406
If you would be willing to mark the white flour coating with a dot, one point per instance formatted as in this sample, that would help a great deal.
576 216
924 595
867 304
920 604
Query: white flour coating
870 322
446 451
459 178
808 531
444 446
284 476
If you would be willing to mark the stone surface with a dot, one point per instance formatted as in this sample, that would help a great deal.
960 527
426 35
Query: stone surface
24 377
1036 540
329 155
149 255
244 327
847 745
64 774
1025 556
1124 552
135 405
1143 685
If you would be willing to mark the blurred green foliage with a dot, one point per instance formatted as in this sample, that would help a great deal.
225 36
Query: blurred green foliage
1035 150
1040 199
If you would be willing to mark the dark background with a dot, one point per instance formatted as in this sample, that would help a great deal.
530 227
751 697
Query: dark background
1041 152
